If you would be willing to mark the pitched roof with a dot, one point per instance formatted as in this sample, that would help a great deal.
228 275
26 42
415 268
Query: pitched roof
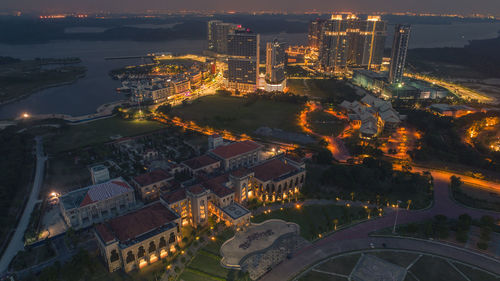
217 185
152 177
200 162
132 225
272 169
103 191
174 196
235 149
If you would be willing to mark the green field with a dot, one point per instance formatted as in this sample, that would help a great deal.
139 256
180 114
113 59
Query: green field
75 136
325 124
240 115
331 89
314 220
427 267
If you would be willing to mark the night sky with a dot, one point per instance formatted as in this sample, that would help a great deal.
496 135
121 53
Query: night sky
436 6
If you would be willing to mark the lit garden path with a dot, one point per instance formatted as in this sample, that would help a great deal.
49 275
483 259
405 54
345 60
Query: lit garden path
357 237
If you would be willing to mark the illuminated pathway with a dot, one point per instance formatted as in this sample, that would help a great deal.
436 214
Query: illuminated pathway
334 144
357 236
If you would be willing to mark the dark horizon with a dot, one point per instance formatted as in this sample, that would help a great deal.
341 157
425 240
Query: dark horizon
462 7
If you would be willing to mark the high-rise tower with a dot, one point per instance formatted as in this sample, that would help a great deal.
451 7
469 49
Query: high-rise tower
348 41
217 35
243 60
399 52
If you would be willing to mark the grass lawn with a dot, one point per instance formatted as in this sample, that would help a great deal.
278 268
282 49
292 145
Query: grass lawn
435 269
208 264
318 276
314 219
322 88
99 131
325 124
237 115
341 265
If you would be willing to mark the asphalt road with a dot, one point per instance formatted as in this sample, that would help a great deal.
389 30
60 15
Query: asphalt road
357 237
16 243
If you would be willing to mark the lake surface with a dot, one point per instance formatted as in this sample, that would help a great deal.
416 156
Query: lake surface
96 88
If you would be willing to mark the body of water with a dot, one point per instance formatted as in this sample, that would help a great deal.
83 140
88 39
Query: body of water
97 87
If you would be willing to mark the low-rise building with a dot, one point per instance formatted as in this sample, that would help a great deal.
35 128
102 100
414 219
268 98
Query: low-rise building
277 179
204 163
99 173
372 115
143 237
148 185
452 110
237 154
96 203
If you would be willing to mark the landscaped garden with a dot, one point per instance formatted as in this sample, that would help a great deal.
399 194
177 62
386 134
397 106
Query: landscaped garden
374 180
316 219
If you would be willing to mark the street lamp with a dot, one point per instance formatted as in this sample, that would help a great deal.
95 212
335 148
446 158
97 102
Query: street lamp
396 219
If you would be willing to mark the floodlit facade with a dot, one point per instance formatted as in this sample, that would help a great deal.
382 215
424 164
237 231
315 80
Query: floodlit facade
348 41
275 62
140 238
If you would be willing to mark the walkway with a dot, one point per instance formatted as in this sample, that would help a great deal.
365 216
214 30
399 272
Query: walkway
357 237
17 242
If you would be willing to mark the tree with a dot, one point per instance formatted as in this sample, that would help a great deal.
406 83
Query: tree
464 221
455 182
324 156
462 236
164 109
482 245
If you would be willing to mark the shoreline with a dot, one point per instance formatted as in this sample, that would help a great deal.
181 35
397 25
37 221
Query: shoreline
41 88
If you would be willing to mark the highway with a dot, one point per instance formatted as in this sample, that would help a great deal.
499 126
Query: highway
17 242
461 91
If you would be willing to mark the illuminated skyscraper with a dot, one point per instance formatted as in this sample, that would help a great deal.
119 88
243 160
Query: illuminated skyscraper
275 62
352 42
217 35
243 60
314 35
398 52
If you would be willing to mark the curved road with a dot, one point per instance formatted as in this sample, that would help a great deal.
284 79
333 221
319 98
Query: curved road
357 237
17 242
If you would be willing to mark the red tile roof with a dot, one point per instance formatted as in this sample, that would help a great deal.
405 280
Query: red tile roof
105 190
152 177
241 172
217 185
272 170
132 225
105 234
196 189
200 162
235 149
174 196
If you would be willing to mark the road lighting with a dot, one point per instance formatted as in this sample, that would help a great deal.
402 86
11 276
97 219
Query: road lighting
396 219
